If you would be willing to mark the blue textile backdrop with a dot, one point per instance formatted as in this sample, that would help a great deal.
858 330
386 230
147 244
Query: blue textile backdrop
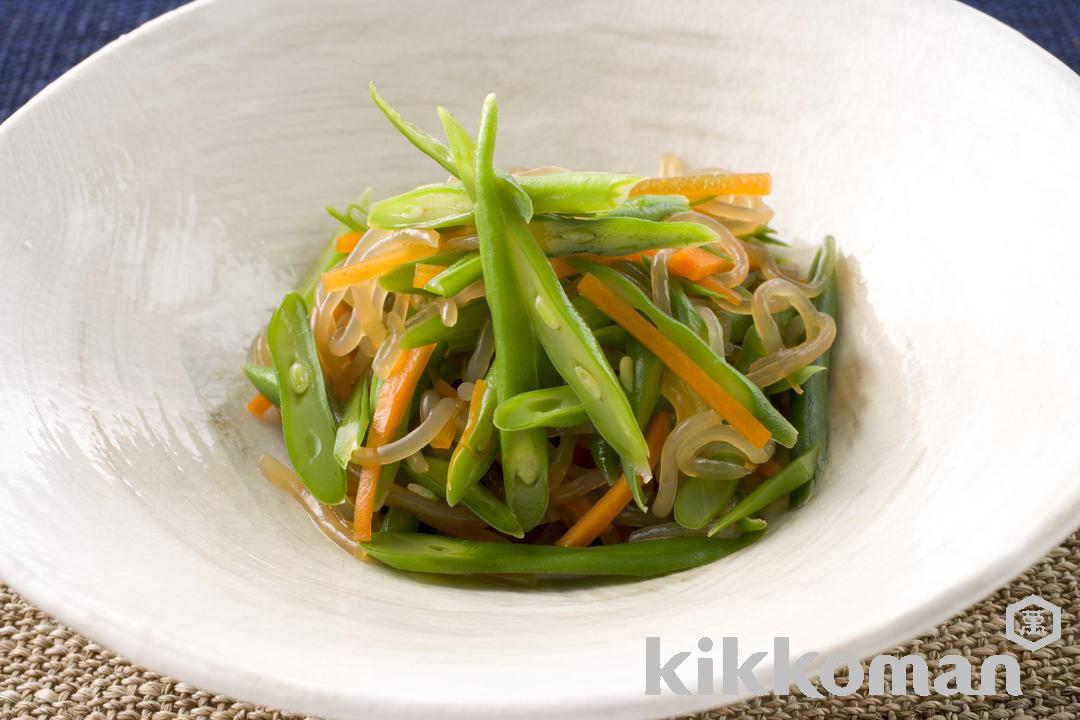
40 39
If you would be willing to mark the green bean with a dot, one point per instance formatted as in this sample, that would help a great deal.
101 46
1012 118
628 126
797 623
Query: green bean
810 411
644 394
306 419
612 336
752 349
574 193
651 207
477 498
796 473
685 312
434 554
700 499
562 333
265 381
800 376
400 279
329 256
696 289
463 273
592 315
525 452
616 235
431 329
428 206
739 325
476 450
397 520
606 459
461 343
548 407
424 142
735 383
354 422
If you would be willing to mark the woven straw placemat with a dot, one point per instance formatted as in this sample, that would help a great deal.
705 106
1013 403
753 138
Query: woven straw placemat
49 671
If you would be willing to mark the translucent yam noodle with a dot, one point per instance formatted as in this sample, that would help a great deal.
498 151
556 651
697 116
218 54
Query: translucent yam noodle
658 274
412 442
726 243
773 296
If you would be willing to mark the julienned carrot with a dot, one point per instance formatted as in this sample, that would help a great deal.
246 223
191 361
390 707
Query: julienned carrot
258 405
347 242
727 407
710 284
575 508
695 263
343 277
445 438
394 397
422 273
699 187
599 516
562 267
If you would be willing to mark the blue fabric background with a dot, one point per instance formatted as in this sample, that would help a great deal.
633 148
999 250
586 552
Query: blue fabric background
40 39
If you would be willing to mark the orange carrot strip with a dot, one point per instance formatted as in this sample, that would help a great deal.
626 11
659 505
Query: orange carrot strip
699 187
618 496
562 267
343 277
575 508
258 405
347 243
445 389
390 408
422 272
694 263
769 468
445 438
710 284
673 356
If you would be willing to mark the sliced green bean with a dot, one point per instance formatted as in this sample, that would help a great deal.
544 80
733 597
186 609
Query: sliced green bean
428 206
397 520
424 142
573 193
400 279
810 411
354 422
463 273
525 452
476 450
431 329
644 395
616 235
548 407
477 498
800 376
435 554
699 500
734 382
265 381
306 419
651 207
606 459
796 473
612 336
685 312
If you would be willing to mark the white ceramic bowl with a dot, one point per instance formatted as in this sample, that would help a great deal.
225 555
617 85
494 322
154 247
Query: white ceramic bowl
158 200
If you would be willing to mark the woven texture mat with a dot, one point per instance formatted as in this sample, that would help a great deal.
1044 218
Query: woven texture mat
49 671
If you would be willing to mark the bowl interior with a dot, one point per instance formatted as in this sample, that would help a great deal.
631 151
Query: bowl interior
159 200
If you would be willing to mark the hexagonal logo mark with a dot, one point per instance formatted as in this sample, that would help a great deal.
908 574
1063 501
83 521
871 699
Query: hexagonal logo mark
1033 623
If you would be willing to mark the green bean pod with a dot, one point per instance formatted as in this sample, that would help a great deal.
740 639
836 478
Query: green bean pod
355 419
685 312
651 207
431 329
476 450
548 407
306 419
524 452
397 520
264 379
463 273
699 500
795 474
734 382
478 499
428 206
616 235
434 554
